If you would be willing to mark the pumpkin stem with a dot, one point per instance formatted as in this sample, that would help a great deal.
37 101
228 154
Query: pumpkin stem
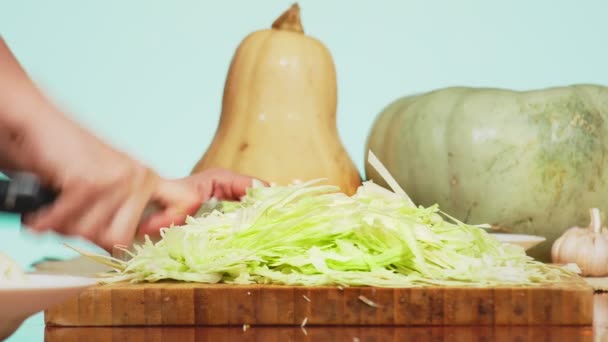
289 20
596 220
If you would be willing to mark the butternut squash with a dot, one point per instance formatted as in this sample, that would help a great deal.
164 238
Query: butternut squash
278 119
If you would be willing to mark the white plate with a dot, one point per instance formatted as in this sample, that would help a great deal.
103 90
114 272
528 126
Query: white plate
526 241
40 292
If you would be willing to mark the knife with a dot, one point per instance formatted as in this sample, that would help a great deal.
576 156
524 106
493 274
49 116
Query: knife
24 193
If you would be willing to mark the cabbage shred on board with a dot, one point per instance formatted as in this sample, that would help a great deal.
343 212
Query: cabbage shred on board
10 272
312 234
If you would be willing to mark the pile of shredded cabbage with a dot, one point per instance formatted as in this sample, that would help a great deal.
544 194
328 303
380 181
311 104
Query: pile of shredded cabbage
312 234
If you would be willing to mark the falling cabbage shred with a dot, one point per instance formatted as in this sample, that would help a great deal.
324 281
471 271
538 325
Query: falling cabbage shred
313 234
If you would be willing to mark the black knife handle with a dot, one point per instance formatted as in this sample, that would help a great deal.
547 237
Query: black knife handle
23 193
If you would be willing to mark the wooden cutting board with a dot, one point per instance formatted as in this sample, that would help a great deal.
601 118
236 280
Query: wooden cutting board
170 303
324 333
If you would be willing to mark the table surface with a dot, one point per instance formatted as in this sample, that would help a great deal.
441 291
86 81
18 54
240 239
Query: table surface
598 332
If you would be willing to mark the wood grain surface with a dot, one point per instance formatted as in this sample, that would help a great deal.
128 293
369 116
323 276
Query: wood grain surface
189 304
322 333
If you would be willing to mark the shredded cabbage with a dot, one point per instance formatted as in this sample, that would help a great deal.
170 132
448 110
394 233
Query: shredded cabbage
312 234
10 272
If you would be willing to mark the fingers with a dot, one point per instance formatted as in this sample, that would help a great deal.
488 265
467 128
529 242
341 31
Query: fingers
78 212
238 186
178 200
57 215
221 184
180 196
97 217
111 213
104 212
122 228
164 219
185 196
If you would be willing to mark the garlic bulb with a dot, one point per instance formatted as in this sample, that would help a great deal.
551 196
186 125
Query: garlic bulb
586 247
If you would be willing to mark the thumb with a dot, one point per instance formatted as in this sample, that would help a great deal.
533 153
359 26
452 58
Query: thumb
176 201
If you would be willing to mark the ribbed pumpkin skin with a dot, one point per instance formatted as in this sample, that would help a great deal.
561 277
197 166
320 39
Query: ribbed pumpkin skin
278 117
532 161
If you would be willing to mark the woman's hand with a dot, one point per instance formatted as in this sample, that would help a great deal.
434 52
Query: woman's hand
103 192
218 183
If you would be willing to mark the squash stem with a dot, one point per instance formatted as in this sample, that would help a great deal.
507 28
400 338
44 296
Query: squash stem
596 220
289 20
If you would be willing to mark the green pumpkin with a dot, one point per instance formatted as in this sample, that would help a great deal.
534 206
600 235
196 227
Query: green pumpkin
532 162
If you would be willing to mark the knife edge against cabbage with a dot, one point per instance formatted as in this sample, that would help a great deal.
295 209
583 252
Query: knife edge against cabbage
313 235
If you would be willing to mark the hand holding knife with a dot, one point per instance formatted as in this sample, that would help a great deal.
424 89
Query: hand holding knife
23 193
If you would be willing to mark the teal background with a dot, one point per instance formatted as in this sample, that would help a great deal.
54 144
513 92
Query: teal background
148 75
